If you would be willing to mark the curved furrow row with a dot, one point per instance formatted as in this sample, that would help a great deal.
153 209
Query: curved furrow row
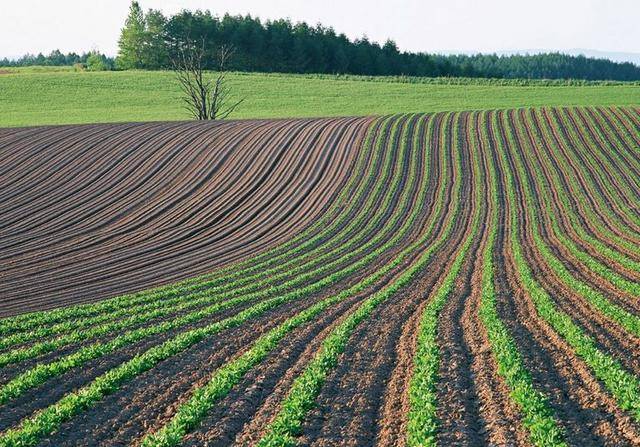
582 218
601 219
46 146
619 171
149 182
180 256
589 160
610 325
467 278
560 242
70 168
620 122
100 175
173 243
616 144
205 296
585 371
619 174
610 212
277 299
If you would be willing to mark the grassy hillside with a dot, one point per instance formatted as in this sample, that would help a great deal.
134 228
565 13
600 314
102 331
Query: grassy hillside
36 96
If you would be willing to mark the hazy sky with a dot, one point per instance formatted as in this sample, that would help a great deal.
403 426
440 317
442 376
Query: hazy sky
427 25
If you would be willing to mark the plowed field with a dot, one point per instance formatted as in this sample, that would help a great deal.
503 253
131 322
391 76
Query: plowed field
468 278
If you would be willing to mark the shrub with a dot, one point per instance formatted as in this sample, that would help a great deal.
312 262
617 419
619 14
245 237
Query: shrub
97 62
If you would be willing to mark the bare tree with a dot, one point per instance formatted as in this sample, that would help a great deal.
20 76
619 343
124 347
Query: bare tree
206 97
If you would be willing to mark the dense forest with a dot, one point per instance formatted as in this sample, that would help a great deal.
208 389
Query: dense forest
149 39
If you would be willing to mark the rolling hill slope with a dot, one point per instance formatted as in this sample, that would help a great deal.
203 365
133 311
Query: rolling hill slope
457 278
92 211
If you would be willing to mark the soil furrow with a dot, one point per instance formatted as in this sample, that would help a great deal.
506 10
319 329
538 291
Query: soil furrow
586 411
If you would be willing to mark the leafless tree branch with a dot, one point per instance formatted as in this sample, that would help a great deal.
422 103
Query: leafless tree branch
206 98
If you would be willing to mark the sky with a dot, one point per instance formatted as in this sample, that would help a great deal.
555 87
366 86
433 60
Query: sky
436 26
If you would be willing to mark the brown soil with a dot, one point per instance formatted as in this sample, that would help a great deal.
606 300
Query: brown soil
587 412
475 407
186 198
168 388
88 212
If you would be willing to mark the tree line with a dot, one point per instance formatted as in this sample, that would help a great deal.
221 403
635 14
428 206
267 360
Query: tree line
149 39
92 60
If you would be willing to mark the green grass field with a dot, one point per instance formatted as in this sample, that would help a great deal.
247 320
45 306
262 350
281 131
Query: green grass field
37 96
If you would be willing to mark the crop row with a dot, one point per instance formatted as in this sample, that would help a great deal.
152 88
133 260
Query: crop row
537 415
229 289
197 289
262 307
36 375
502 209
624 386
300 399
